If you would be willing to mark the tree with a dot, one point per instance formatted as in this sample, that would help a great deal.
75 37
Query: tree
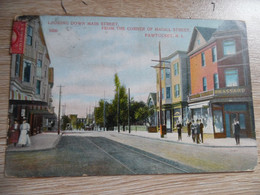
65 120
123 107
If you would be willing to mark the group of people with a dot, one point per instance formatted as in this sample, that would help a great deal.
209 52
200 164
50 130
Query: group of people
19 134
194 129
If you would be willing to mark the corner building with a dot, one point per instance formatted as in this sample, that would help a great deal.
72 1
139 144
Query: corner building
220 79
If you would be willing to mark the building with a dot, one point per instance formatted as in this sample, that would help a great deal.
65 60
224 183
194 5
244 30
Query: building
175 89
220 79
32 78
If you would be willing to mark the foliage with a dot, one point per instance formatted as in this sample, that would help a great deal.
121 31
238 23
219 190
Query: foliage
65 120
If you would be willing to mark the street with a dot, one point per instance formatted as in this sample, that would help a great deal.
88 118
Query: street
77 156
112 153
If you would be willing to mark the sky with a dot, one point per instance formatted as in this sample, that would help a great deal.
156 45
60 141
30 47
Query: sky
86 52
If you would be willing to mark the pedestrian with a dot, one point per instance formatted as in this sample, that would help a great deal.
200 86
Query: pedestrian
237 131
14 133
179 126
198 132
193 129
189 127
201 130
24 138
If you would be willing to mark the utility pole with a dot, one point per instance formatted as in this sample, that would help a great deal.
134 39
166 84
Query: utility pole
129 105
59 109
104 112
160 88
118 110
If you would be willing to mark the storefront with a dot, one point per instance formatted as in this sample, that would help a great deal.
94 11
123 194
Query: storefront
224 115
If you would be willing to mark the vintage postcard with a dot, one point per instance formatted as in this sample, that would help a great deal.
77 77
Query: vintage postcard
95 96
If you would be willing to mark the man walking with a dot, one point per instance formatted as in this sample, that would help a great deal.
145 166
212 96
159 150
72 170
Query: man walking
198 132
237 131
179 126
193 129
201 130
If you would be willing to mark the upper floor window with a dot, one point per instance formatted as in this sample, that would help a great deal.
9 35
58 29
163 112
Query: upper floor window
29 35
204 81
198 42
229 47
177 90
39 66
162 74
17 65
231 78
168 92
214 54
176 69
167 73
216 81
38 87
203 61
162 93
26 71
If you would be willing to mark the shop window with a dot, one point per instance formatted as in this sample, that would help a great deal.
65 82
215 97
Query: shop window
242 121
26 71
229 47
203 61
218 121
168 92
231 78
29 35
214 54
204 81
216 81
176 69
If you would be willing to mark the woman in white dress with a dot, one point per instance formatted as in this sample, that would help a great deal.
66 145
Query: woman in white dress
24 138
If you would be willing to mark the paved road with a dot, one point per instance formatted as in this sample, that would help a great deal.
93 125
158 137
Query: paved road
77 156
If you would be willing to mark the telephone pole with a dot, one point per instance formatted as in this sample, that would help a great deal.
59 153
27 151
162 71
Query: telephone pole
129 105
160 89
59 109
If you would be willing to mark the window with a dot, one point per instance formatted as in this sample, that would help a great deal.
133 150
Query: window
168 92
198 42
26 71
216 81
177 90
39 68
29 35
162 73
231 78
214 54
203 62
204 80
229 47
162 93
38 87
176 69
17 65
167 73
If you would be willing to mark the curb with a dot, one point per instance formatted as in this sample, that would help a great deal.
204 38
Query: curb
191 144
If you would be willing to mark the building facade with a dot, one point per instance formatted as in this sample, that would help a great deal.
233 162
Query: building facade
31 79
220 79
175 88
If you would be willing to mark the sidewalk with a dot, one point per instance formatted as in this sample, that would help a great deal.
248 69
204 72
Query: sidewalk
208 142
41 141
